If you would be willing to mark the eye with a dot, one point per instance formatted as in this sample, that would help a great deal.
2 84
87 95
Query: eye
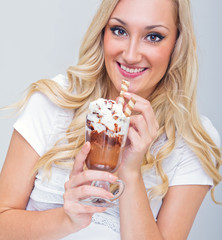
118 31
154 37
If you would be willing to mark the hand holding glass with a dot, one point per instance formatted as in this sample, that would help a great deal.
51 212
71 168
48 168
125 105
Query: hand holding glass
105 155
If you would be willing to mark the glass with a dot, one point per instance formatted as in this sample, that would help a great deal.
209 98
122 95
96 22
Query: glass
105 155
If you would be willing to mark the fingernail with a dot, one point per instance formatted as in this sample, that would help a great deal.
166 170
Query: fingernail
111 195
113 177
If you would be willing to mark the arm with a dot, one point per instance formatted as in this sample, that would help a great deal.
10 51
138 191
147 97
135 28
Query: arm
16 186
175 218
181 203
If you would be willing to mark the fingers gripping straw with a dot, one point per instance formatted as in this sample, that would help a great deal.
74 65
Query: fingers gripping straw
124 88
129 107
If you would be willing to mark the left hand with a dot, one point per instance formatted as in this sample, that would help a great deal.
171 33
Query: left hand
77 188
142 131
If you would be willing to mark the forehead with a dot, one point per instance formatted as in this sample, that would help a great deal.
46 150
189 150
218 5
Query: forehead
146 11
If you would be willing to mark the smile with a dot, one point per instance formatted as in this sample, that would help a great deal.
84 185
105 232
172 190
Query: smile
131 72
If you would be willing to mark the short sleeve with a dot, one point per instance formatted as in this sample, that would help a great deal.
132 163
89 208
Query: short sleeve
42 122
211 130
189 170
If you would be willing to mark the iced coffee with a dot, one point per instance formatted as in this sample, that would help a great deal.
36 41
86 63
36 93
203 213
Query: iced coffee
106 130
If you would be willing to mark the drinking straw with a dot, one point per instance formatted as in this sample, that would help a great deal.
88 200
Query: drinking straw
129 107
124 88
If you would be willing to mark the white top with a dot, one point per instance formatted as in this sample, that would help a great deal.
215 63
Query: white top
42 123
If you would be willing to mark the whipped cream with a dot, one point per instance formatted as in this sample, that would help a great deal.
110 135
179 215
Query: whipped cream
107 115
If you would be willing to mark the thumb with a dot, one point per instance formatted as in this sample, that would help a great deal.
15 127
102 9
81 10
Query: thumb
80 159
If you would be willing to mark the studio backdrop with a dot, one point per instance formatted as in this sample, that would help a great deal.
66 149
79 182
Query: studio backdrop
40 39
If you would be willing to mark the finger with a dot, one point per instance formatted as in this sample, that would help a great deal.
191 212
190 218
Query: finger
129 95
145 130
138 145
139 124
73 208
86 191
80 159
90 209
140 102
82 208
143 106
134 138
88 176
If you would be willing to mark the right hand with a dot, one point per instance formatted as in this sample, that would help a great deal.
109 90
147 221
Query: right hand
142 132
78 187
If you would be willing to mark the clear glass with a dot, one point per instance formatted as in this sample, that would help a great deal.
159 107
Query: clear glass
105 155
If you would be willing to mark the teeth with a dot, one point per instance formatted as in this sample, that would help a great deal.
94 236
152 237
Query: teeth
131 70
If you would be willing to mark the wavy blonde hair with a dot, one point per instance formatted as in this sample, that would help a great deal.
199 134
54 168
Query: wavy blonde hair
173 100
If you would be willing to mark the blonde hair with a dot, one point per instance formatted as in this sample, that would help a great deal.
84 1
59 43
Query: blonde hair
173 100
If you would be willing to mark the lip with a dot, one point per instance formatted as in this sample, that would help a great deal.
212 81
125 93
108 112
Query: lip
130 75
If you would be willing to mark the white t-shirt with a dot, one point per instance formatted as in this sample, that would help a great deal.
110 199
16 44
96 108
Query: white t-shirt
42 123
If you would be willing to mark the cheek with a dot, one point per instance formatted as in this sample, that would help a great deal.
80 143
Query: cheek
161 58
109 46
112 47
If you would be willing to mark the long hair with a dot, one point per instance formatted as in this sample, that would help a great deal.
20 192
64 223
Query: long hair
173 100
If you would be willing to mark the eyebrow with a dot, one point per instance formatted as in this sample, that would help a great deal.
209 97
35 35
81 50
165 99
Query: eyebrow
147 27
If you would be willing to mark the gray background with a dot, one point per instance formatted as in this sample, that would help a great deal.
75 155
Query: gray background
39 39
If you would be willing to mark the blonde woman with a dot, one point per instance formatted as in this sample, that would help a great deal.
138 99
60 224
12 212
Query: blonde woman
172 160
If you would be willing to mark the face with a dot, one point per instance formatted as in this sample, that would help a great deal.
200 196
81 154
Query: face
138 41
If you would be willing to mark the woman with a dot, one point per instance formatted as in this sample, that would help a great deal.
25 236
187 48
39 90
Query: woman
171 161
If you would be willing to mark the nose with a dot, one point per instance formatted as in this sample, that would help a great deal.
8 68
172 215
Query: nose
131 53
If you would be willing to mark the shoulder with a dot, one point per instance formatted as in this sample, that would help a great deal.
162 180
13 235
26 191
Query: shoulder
182 146
211 130
184 166
40 107
61 80
42 122
39 99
